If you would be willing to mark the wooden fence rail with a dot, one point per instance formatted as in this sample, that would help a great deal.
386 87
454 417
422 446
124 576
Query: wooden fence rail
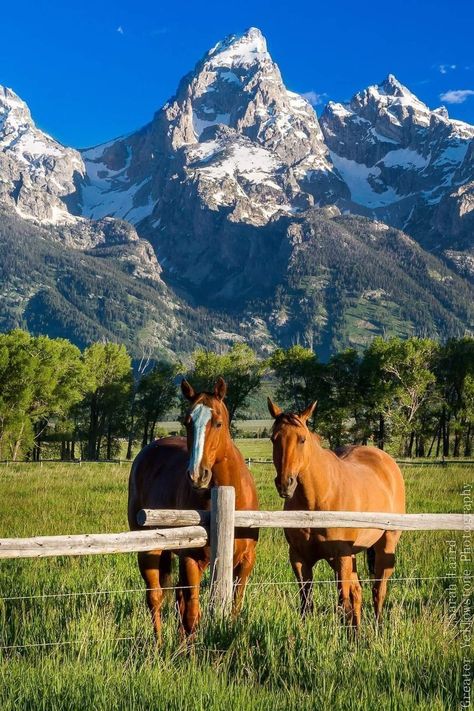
94 543
195 529
309 519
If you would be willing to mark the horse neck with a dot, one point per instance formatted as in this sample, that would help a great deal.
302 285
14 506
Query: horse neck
229 467
317 478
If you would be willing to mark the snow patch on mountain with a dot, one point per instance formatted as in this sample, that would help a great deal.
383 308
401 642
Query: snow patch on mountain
108 192
360 179
239 50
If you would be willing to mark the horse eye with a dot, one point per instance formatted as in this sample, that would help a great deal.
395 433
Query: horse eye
302 440
218 424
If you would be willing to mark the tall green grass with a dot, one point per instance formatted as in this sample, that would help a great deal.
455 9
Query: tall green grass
268 659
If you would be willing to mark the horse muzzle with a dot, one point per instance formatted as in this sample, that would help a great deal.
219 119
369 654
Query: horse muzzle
201 479
287 489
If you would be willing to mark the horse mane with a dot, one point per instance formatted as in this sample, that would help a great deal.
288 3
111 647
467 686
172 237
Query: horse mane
289 418
292 418
345 450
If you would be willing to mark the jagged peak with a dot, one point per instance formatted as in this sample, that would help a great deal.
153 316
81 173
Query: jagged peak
391 92
391 85
240 49
9 101
441 111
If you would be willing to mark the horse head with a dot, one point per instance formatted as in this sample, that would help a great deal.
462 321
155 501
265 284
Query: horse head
291 450
207 426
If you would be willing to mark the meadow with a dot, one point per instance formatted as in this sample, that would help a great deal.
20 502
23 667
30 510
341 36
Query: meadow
75 633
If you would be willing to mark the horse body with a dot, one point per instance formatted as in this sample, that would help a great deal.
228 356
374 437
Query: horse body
355 479
161 477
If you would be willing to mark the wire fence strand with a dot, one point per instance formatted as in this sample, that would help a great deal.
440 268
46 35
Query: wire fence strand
253 584
61 643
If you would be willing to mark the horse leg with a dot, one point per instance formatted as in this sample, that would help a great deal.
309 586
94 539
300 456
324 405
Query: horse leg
384 566
344 577
241 575
190 574
166 570
356 597
149 565
304 574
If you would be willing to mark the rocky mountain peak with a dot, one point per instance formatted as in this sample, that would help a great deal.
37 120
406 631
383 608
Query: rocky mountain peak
233 136
392 87
14 113
39 175
240 50
398 157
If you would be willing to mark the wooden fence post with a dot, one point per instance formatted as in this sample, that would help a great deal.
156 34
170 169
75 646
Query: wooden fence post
222 535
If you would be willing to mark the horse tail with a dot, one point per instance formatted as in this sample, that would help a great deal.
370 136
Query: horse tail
371 561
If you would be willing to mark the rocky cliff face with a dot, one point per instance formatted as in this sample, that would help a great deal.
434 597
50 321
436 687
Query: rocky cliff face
402 162
235 153
233 136
37 174
38 182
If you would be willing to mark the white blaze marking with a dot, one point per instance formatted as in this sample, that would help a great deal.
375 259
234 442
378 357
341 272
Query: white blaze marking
200 417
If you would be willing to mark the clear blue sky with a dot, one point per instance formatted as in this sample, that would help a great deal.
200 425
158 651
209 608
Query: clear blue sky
91 71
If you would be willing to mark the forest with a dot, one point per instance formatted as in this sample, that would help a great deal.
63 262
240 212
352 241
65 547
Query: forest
414 397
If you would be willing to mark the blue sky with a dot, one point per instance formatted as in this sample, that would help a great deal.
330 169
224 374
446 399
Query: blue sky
91 71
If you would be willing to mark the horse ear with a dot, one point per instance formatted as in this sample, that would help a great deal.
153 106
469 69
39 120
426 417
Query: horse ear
187 389
273 409
307 412
220 388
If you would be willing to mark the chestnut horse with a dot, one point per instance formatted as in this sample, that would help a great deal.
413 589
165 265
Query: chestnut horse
355 478
178 473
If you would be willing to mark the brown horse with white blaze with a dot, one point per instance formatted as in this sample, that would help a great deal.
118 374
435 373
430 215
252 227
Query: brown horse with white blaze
357 478
178 473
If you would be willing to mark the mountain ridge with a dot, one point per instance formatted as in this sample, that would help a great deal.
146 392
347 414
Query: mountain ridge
217 197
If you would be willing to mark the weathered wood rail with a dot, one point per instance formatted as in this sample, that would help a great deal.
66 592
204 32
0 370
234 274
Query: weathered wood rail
309 519
185 529
95 543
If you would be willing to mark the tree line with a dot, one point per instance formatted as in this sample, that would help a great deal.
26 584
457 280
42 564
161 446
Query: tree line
414 396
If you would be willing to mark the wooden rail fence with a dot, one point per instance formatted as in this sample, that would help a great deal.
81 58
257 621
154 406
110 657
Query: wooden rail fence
184 529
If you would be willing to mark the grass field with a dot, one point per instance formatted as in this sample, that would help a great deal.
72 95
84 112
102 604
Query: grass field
102 654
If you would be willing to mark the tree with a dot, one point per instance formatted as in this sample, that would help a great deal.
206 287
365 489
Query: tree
156 395
342 415
58 383
109 381
402 380
455 376
299 374
239 367
17 377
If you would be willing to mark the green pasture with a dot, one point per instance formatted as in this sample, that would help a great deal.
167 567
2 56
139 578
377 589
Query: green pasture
67 650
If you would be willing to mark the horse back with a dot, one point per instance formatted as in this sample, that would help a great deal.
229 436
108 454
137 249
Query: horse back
375 467
158 477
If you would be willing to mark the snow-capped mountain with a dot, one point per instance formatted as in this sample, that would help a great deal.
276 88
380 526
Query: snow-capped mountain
233 136
38 182
397 156
37 174
236 197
